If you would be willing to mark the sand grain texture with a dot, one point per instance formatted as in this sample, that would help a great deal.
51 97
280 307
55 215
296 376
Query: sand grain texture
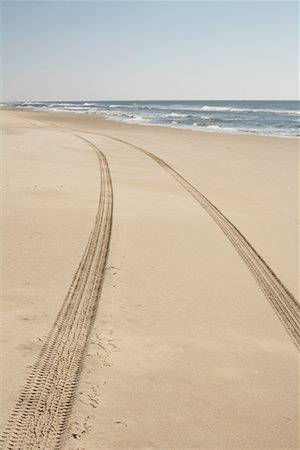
186 351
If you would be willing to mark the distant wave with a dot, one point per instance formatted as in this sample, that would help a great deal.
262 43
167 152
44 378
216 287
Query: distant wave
233 109
218 128
262 117
175 114
238 130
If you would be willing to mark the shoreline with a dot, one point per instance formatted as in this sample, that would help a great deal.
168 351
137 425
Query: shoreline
169 126
184 341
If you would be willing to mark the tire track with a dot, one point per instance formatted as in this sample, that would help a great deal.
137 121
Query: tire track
40 415
280 298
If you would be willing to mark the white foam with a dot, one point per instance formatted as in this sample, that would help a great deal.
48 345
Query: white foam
218 128
254 110
188 116
137 119
174 114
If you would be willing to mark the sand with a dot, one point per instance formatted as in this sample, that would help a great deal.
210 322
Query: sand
186 350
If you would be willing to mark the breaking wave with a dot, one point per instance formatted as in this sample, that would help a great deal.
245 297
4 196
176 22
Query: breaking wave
277 118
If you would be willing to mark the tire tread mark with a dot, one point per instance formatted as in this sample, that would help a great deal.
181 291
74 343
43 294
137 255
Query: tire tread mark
41 412
280 298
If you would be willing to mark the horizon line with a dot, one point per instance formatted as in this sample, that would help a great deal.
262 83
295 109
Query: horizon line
153 100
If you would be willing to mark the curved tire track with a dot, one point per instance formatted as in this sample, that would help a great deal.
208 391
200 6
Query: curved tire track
280 298
40 415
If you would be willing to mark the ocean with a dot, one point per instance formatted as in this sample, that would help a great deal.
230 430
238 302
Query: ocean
273 118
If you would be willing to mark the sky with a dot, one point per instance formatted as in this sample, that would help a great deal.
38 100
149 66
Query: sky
163 50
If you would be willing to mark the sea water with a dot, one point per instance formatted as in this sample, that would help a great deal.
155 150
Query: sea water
275 118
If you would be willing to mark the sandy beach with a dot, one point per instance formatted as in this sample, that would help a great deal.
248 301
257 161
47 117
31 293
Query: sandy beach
192 337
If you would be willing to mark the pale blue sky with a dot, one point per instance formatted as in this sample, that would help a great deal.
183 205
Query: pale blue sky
150 50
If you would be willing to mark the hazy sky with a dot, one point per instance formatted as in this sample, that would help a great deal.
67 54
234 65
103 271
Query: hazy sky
149 50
